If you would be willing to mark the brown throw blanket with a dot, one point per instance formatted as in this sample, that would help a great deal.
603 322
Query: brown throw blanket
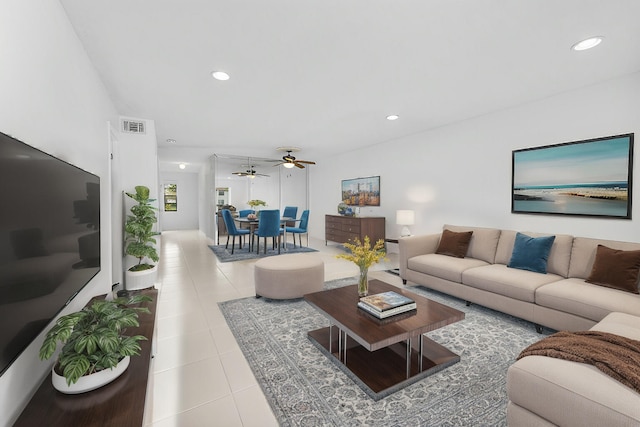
616 356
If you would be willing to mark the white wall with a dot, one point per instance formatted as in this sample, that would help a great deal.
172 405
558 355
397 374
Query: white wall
293 187
186 218
461 174
206 199
53 99
137 159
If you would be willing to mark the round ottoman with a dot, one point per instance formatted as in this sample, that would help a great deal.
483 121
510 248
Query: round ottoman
288 276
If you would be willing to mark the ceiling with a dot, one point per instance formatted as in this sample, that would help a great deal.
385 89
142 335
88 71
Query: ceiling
323 75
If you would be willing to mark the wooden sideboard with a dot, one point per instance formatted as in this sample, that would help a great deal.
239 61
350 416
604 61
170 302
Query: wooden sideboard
343 229
118 404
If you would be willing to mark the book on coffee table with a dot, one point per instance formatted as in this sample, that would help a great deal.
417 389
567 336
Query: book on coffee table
389 319
387 313
386 301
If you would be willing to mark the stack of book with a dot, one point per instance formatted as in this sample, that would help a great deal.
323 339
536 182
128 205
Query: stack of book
386 304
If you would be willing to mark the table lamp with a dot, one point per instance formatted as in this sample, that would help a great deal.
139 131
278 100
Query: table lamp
405 218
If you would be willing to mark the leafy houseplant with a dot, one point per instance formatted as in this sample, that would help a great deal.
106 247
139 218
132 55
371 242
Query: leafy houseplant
364 256
93 339
139 229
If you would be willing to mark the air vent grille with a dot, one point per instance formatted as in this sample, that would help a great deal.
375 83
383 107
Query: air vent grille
131 126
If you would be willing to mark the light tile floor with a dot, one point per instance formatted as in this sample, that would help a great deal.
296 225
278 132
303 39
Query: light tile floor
200 377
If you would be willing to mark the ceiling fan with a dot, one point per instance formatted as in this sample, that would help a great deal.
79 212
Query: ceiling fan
290 161
250 173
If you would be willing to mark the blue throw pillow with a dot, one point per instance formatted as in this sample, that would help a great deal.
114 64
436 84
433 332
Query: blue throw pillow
531 253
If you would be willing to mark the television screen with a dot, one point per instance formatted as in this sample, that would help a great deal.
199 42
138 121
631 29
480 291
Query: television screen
49 240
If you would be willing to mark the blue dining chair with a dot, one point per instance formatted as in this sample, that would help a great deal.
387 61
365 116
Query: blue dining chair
245 212
290 212
232 230
269 226
301 229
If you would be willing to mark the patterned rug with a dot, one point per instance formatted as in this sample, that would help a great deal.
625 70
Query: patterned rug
304 388
224 255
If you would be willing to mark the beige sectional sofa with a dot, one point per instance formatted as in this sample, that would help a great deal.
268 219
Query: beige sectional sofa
545 391
561 299
542 391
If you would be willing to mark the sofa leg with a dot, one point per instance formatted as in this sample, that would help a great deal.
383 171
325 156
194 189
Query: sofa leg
538 328
404 281
467 303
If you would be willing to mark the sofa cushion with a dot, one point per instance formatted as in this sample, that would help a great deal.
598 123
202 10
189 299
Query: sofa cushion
559 256
443 266
509 282
577 297
531 253
454 244
568 393
620 324
483 244
583 254
616 269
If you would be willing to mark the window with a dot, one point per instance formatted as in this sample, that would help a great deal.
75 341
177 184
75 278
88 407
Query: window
170 197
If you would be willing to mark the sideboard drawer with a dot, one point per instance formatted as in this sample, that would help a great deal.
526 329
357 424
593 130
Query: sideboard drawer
343 229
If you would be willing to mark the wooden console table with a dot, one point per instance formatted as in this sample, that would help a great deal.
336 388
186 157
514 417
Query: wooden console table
118 404
342 229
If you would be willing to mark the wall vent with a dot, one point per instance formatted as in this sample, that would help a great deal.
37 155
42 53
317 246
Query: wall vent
132 126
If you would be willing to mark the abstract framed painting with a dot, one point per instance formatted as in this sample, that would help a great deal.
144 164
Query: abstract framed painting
586 178
361 191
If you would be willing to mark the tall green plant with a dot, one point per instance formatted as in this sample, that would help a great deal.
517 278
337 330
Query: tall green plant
139 229
94 337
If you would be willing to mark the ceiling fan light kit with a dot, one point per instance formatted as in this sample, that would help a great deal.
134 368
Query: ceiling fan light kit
289 161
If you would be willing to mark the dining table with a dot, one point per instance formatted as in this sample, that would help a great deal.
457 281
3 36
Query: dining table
253 223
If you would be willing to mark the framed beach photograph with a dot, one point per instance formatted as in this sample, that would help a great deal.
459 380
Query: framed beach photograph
361 191
587 178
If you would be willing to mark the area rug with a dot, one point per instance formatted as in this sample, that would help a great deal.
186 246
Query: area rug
224 254
304 388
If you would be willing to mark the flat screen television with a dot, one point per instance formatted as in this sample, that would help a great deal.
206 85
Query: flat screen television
49 241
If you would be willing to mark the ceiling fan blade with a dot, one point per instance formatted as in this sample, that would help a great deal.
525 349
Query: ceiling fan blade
306 161
298 165
281 163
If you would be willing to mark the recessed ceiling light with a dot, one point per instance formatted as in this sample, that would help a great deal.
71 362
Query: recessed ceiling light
393 117
587 43
220 75
171 141
182 166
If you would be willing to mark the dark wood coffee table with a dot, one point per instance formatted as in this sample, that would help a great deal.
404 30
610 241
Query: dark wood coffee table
385 355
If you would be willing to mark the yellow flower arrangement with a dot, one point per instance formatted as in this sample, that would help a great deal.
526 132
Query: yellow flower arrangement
364 256
256 202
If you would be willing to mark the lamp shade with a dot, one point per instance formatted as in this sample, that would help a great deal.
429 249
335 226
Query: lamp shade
405 217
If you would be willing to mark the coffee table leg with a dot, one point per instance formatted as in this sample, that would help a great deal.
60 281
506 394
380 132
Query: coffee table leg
330 338
408 357
344 346
420 352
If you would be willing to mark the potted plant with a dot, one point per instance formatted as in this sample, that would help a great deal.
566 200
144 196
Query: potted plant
364 256
254 204
140 240
95 348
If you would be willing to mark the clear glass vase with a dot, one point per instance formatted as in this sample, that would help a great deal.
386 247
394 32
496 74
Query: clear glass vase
363 283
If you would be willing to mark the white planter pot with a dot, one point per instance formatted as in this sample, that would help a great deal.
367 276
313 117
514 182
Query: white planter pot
135 280
89 382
